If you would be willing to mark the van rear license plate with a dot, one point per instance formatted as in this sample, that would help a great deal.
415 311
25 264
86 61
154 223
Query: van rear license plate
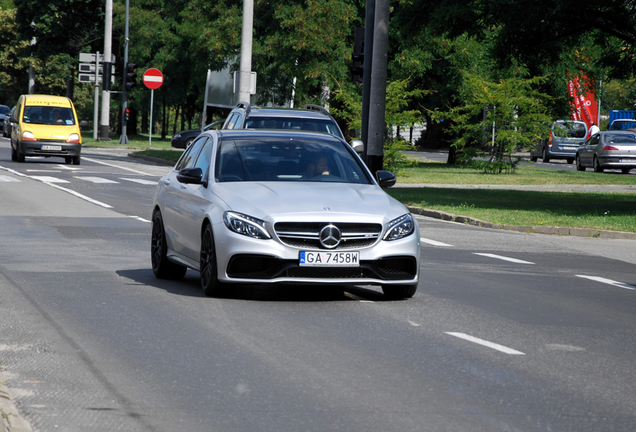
51 147
330 259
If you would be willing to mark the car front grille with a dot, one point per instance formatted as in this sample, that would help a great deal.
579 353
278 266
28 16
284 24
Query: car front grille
306 234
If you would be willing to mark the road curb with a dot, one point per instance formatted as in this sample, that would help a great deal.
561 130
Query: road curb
10 420
550 230
152 159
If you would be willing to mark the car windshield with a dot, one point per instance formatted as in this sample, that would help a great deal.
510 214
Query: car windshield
49 115
5 109
294 123
622 125
287 159
625 139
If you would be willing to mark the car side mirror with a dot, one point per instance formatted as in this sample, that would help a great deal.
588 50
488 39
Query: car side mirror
83 124
191 176
385 179
357 146
13 119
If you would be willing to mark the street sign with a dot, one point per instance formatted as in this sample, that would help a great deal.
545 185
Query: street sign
90 58
153 78
90 78
90 68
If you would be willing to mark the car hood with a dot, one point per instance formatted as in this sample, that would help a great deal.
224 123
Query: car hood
309 201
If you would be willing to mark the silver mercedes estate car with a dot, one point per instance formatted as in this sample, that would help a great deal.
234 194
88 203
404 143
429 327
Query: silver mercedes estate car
267 206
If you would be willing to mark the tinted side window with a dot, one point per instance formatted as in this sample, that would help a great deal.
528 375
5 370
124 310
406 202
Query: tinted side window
203 161
190 155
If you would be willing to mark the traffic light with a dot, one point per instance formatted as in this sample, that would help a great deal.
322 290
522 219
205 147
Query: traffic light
131 76
127 114
357 65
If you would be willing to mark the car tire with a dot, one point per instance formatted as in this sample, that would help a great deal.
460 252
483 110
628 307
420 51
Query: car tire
579 167
76 160
20 156
570 160
188 142
544 155
161 266
597 166
533 158
14 154
209 275
68 160
397 292
625 170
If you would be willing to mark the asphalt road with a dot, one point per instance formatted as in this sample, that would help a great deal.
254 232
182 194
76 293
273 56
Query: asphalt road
508 331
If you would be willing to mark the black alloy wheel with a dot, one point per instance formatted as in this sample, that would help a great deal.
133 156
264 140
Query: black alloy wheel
209 276
161 266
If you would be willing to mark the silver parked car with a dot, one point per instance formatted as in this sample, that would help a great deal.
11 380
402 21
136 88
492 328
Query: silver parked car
608 150
565 138
269 206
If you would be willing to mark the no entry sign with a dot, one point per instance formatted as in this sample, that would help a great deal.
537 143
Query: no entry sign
153 78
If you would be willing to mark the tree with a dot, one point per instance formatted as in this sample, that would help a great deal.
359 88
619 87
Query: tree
496 118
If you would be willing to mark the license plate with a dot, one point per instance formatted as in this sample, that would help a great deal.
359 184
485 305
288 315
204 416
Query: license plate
330 259
51 147
569 148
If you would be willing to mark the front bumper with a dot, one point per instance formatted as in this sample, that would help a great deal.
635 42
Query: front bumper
241 259
37 148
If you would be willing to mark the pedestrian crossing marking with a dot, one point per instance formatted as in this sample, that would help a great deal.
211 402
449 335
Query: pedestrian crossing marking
8 179
141 181
49 179
98 180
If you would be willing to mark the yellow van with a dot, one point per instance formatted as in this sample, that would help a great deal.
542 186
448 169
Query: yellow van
45 126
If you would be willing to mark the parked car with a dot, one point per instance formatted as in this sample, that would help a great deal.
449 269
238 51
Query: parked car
565 138
184 138
6 128
310 117
4 112
45 126
289 207
608 150
623 124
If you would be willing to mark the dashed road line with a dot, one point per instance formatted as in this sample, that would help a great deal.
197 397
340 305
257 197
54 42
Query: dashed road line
514 260
501 348
434 242
609 282
116 166
140 219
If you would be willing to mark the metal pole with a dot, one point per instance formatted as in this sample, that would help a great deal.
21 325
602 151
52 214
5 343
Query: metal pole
108 33
377 97
152 101
96 98
31 70
123 139
366 74
245 67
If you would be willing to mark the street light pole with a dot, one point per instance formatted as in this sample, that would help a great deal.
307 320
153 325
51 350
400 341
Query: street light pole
108 33
123 139
31 71
245 67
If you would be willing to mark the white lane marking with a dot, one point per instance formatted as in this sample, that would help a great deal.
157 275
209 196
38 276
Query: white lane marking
8 179
43 170
116 166
140 219
12 171
49 179
141 181
503 349
98 180
69 168
434 242
514 260
609 282
79 195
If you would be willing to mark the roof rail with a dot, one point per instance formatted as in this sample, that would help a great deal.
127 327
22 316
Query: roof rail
245 105
316 108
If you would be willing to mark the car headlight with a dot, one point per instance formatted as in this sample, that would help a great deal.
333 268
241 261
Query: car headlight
400 227
73 138
28 136
246 225
177 136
